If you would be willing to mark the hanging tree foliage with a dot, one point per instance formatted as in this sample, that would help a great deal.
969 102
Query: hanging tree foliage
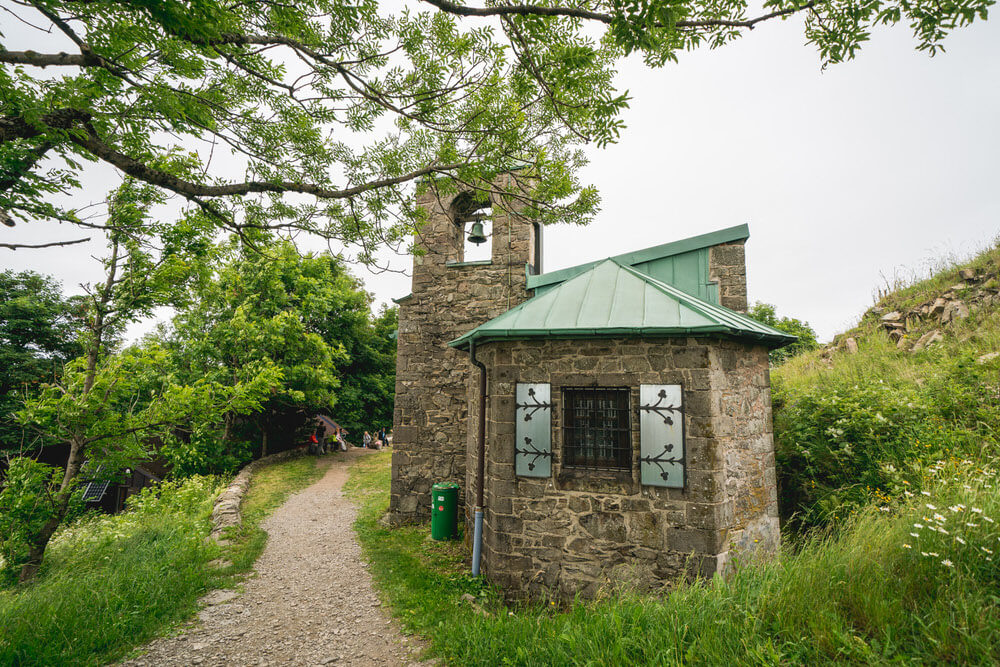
321 115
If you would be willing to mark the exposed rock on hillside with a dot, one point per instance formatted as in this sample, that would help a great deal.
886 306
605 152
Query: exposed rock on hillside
908 327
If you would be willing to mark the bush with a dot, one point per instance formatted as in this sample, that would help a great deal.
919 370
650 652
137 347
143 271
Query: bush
851 438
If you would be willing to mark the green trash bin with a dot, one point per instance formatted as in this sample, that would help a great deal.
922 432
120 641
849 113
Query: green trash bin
444 511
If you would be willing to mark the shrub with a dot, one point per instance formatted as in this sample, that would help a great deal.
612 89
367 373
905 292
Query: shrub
856 437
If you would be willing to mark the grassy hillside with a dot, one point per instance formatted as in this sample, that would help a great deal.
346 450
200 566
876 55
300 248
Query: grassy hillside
866 419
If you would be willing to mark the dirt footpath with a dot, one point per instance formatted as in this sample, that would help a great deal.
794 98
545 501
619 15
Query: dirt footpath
310 603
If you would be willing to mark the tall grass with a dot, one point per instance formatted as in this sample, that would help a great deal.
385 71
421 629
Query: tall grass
111 583
859 596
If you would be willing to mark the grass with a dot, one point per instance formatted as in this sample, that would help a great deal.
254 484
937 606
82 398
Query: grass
109 584
860 596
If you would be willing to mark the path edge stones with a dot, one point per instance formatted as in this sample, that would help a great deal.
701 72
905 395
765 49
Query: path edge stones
226 511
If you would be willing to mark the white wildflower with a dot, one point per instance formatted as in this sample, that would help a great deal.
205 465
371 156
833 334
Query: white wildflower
971 525
907 546
933 554
915 534
946 563
926 493
954 508
918 526
929 506
989 551
908 494
977 510
924 553
960 540
939 518
986 518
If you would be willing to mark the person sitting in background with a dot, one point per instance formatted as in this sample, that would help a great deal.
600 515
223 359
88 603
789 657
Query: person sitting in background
367 440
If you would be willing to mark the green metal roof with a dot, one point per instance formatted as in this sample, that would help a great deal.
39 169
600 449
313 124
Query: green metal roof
646 260
612 299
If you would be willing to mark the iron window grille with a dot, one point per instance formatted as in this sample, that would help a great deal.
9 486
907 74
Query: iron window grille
596 428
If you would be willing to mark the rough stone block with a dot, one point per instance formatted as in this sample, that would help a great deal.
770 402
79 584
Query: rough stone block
604 526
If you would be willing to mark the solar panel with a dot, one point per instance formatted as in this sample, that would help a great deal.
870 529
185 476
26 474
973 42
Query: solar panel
95 491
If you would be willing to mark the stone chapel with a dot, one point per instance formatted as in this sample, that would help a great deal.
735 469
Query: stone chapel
628 433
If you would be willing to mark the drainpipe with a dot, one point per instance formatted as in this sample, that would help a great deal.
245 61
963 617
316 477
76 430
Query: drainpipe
538 247
477 536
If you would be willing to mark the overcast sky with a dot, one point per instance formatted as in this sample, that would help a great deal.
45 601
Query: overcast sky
847 177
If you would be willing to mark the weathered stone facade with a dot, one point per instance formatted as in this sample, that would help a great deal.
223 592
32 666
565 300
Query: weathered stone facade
580 530
449 297
727 266
577 530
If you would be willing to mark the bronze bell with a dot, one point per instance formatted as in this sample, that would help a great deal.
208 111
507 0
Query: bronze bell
476 235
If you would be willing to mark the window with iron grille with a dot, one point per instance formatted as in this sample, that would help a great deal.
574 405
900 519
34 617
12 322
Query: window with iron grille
596 428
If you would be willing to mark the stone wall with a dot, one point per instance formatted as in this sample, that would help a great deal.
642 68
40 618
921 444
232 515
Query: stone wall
727 266
449 298
577 531
745 432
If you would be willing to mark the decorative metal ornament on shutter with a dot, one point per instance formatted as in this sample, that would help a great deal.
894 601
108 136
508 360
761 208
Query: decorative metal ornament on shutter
533 430
661 435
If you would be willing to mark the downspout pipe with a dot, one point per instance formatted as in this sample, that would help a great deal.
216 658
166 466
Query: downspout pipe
477 536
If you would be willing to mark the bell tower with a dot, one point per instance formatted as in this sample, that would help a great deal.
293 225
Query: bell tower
453 291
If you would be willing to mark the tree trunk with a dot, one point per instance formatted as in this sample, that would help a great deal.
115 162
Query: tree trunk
40 541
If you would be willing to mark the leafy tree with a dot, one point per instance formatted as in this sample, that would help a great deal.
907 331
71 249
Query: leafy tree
765 313
368 378
106 406
266 308
350 104
108 412
24 510
37 336
306 315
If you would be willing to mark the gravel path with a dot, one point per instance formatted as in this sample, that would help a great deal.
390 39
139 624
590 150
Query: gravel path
310 603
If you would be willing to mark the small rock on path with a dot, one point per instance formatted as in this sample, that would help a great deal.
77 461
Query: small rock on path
311 603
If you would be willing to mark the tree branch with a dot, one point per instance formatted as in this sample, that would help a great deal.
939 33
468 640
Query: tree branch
573 12
145 173
16 127
15 246
520 10
61 59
